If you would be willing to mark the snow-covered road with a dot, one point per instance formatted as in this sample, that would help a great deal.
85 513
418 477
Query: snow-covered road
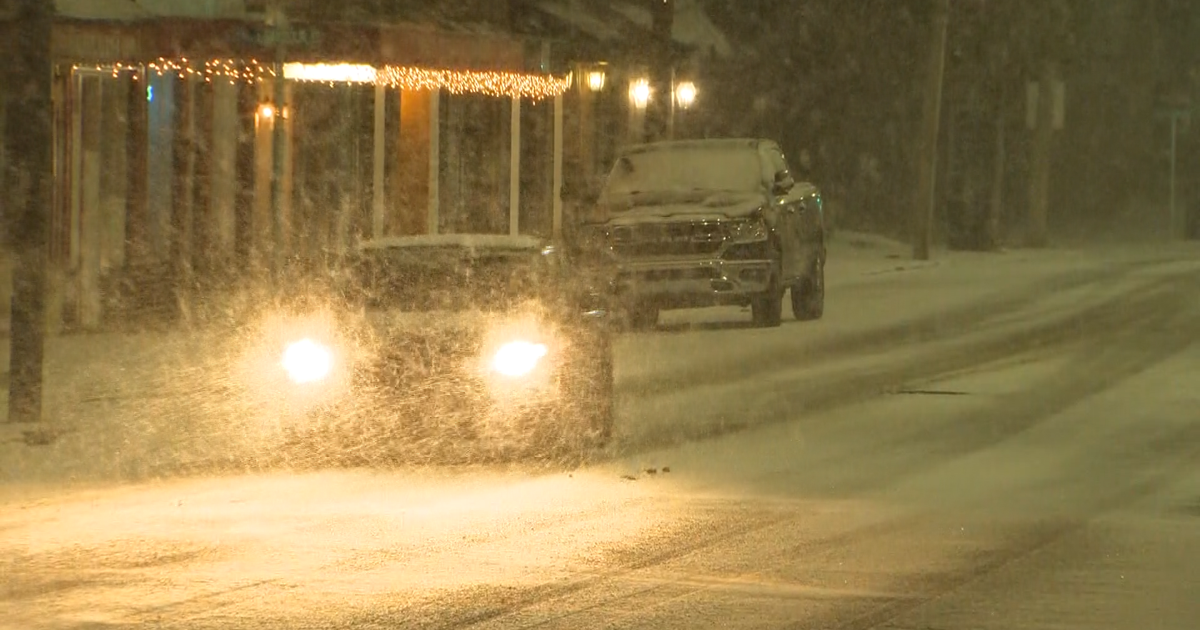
1009 444
143 405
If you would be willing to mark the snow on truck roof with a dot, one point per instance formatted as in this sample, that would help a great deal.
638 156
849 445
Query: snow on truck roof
711 143
466 241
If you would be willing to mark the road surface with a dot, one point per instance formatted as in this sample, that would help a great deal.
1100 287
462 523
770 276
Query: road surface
1030 462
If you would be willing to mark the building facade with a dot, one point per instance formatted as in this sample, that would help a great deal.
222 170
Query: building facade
195 151
200 145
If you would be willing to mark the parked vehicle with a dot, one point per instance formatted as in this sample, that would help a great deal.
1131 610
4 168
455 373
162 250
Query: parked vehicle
713 222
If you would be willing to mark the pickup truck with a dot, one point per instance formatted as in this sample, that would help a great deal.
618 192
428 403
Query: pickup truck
710 222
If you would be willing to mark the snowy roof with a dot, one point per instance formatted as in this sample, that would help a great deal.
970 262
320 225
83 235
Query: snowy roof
573 12
616 20
468 241
748 143
124 10
691 25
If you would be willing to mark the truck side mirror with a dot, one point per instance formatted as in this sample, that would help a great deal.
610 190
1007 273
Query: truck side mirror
783 183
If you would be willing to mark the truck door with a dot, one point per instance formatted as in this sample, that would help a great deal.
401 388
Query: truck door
790 207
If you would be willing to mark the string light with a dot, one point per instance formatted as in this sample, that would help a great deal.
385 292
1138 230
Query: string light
511 84
490 83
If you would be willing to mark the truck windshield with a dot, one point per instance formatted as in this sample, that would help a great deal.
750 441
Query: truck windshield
448 279
685 169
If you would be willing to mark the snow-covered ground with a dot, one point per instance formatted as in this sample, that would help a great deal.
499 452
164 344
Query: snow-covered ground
131 405
1056 490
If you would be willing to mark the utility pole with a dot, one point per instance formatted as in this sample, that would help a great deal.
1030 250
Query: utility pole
1180 115
1043 144
1000 154
1174 153
658 110
927 160
28 129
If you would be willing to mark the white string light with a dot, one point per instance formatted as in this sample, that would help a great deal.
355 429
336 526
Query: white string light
491 83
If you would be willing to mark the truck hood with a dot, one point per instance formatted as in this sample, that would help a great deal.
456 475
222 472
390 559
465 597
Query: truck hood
694 207
392 321
467 327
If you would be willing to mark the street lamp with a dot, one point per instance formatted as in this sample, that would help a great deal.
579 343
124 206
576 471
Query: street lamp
685 94
639 93
595 80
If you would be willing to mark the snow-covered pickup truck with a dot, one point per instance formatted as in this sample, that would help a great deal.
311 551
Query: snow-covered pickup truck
712 222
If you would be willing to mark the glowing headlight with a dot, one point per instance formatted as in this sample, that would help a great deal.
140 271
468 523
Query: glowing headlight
518 358
307 361
747 230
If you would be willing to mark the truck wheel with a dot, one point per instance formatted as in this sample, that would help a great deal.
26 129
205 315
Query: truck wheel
808 295
767 309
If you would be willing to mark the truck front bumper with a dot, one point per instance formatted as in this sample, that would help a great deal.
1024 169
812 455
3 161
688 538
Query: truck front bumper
694 282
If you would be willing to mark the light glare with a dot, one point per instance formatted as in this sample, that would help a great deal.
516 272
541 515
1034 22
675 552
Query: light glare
639 93
685 94
330 72
307 361
518 358
595 80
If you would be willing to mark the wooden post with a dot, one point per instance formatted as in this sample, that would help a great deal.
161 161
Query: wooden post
435 161
91 218
137 143
224 173
75 166
378 196
113 183
205 254
263 227
245 241
557 186
514 169
183 151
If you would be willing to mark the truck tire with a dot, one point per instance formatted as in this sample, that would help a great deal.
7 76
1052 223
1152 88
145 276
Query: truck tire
808 295
767 309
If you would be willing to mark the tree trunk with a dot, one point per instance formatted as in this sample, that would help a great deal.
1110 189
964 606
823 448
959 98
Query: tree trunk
927 161
28 129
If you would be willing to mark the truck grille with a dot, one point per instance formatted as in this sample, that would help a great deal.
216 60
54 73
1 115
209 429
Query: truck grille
666 239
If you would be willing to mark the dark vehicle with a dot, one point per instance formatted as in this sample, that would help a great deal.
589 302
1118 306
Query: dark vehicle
480 340
713 222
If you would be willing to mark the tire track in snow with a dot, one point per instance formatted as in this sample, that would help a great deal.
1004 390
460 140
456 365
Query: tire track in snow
784 398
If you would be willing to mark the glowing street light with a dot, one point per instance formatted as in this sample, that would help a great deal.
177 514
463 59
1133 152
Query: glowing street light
685 94
595 80
265 115
639 93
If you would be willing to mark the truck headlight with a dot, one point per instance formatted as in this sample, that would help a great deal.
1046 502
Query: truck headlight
746 230
516 359
307 361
